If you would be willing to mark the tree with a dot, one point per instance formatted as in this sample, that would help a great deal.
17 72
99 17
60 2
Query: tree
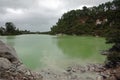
117 4
113 37
10 27
101 7
2 30
108 5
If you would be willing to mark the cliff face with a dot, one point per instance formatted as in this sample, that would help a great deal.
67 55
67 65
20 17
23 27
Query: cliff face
11 68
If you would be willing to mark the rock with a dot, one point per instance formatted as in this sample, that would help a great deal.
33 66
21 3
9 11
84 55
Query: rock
22 68
8 52
117 75
4 63
89 78
100 78
37 75
113 78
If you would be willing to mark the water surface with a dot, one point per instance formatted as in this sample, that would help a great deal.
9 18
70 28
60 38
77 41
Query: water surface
40 51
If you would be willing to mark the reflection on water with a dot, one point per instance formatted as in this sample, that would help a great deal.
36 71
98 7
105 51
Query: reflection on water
9 40
38 51
81 47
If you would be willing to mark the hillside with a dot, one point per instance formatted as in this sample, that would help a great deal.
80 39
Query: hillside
96 20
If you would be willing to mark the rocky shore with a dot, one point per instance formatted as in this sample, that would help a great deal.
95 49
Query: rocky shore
11 68
87 72
75 72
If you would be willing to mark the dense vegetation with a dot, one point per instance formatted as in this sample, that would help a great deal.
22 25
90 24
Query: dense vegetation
102 20
10 29
113 36
88 21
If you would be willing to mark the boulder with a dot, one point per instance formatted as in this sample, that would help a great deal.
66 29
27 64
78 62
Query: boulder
100 78
4 63
113 78
22 68
8 52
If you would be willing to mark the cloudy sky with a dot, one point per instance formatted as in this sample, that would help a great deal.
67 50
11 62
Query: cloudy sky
39 15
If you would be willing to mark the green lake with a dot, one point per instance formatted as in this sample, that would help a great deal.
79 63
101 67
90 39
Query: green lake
40 51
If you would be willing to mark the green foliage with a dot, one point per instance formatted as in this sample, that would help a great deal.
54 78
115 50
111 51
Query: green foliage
113 36
83 22
10 29
72 22
2 30
117 4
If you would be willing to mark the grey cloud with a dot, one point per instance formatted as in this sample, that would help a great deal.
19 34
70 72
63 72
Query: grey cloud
16 3
2 10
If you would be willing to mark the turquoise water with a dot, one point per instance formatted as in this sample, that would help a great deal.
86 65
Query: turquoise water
40 51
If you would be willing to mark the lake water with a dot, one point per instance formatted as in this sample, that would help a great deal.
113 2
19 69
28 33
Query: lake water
40 51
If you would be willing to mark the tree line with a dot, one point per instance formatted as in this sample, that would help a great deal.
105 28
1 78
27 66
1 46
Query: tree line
10 29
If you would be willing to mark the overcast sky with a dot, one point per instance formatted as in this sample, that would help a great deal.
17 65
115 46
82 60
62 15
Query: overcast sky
39 15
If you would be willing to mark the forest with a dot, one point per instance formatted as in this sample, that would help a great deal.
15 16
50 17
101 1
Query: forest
96 20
